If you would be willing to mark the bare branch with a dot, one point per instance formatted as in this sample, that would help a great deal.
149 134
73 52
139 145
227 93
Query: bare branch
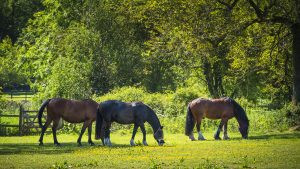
280 19
229 6
234 3
258 11
224 3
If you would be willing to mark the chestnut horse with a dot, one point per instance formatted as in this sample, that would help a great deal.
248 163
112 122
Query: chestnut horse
72 111
223 108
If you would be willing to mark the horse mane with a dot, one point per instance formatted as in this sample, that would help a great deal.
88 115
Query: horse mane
86 100
239 112
153 119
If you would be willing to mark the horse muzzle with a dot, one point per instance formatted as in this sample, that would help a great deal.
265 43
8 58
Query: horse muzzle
160 142
245 137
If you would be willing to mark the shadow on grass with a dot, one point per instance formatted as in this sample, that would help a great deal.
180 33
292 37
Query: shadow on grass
295 135
34 148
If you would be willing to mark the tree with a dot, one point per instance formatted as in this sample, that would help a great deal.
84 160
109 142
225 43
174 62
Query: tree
14 15
287 14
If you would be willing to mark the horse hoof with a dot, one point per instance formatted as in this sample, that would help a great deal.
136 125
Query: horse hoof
225 138
145 143
217 138
201 139
57 144
41 144
91 143
79 144
132 142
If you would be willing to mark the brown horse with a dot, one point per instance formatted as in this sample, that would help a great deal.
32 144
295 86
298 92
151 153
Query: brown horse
72 111
223 108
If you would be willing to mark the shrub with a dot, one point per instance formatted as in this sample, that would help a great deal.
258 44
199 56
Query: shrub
171 109
292 114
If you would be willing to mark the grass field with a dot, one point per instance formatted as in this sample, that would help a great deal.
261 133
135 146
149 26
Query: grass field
274 150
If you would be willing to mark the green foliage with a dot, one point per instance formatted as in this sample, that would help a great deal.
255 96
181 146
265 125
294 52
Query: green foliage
9 71
171 108
293 114
14 15
69 79
158 45
177 50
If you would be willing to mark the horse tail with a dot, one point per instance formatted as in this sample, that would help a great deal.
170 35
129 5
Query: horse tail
99 123
189 122
40 114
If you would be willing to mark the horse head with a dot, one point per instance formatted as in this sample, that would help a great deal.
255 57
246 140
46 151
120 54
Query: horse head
159 136
244 128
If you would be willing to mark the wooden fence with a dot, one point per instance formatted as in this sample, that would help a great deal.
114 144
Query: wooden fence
19 94
28 121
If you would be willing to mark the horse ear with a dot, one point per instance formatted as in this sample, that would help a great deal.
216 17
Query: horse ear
162 127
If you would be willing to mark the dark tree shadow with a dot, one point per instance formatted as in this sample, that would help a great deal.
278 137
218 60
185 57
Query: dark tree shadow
47 148
295 135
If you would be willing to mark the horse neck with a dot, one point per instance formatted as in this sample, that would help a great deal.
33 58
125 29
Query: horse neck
240 114
242 119
240 122
153 120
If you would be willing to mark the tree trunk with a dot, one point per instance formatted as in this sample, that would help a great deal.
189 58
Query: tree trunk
208 76
296 63
213 78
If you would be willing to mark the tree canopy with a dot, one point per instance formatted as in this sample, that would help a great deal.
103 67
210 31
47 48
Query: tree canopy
236 48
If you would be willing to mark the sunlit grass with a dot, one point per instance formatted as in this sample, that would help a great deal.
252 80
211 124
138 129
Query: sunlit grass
280 150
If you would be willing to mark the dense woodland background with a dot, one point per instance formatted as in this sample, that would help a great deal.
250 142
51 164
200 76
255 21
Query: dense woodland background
244 49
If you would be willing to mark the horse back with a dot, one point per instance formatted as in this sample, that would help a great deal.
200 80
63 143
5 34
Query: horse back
73 111
123 112
211 108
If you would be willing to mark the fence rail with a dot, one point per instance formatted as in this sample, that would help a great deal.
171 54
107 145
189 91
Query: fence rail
27 121
19 94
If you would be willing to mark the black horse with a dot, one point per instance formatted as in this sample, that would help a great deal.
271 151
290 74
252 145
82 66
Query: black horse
127 113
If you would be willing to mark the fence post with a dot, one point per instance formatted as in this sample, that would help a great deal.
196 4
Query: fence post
21 121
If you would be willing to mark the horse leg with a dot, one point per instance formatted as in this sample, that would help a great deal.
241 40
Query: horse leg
144 134
54 127
198 125
85 125
225 136
191 136
44 128
133 134
107 134
90 135
217 134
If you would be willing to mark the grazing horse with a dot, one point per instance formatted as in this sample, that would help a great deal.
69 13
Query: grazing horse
223 108
72 111
127 113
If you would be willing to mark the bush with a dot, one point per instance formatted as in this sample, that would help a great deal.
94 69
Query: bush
171 109
293 114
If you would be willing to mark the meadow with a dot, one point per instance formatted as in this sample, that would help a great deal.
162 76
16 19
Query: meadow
272 150
271 144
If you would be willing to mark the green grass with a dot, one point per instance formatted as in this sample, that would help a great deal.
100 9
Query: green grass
279 150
